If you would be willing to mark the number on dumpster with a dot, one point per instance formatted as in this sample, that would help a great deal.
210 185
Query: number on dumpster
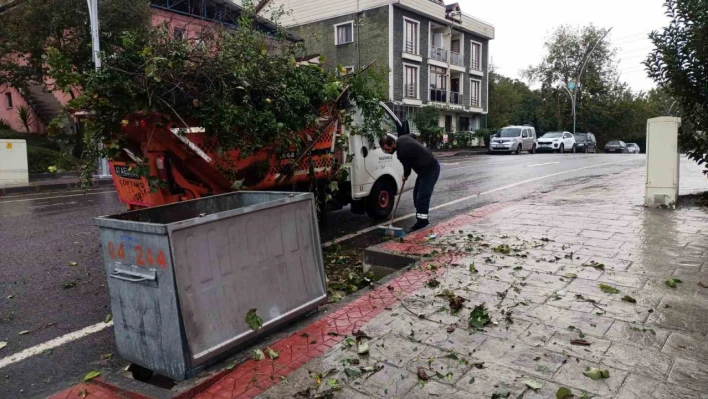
149 257
161 259
140 260
112 250
121 252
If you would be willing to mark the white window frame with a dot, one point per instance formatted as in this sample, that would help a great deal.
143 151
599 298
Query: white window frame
481 50
479 93
417 85
9 103
417 35
347 70
336 27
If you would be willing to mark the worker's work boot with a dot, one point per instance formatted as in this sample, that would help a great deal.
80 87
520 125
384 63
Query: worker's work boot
421 222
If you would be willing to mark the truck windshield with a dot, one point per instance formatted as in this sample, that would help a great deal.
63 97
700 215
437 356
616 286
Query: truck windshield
510 132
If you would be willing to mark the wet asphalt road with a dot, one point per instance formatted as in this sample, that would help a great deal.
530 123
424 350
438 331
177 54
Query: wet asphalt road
40 235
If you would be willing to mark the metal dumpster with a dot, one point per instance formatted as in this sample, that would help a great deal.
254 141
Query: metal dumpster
182 277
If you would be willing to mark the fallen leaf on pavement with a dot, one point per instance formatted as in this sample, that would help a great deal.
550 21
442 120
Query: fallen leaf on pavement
82 393
571 275
563 393
421 374
533 384
91 375
472 268
359 335
363 348
10 296
271 353
608 289
629 299
672 282
479 317
3 344
456 304
501 395
450 329
73 264
106 356
432 283
23 332
108 319
595 373
580 342
258 355
253 320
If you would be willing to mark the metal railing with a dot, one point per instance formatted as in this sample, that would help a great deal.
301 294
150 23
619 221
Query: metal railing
437 53
474 65
474 101
455 98
442 96
410 47
456 59
409 91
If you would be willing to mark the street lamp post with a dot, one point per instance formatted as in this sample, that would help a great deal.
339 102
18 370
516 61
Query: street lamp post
574 85
103 172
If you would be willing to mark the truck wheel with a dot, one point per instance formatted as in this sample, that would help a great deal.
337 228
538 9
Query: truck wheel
381 200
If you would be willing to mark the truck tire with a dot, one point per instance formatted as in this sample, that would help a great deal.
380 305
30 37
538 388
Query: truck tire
381 199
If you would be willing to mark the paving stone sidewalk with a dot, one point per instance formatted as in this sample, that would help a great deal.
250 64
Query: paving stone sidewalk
539 266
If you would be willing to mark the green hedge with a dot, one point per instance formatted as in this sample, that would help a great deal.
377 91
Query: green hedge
40 159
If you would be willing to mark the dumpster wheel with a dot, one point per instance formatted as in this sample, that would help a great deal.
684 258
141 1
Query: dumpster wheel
140 373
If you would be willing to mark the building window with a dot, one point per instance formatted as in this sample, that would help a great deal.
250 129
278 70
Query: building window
476 57
8 100
346 71
344 33
180 33
475 93
411 31
438 85
410 81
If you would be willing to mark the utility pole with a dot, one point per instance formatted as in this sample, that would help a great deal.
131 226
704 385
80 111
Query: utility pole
573 86
103 172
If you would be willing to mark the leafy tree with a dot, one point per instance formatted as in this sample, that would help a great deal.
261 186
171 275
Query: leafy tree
33 26
242 85
427 120
512 102
679 64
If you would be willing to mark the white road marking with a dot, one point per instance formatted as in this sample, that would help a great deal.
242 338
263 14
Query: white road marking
541 164
469 197
493 163
59 196
449 164
56 342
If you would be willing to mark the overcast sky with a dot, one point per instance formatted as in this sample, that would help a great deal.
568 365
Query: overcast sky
523 25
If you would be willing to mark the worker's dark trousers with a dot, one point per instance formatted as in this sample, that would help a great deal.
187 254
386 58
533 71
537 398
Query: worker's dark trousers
424 185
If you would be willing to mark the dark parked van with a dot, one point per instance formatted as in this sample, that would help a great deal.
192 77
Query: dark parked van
585 142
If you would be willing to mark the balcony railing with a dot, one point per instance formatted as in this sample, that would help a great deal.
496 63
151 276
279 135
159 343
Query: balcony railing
442 96
456 59
409 91
410 47
474 101
437 53
455 98
474 65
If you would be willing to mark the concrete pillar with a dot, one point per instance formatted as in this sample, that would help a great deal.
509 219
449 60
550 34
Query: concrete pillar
662 180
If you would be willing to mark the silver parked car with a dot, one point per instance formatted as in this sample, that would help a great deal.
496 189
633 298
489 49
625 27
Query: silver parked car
616 146
633 148
514 139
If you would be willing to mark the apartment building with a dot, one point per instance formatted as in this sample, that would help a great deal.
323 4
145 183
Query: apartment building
436 54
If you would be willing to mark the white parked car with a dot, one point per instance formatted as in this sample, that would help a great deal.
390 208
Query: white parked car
633 148
514 139
557 141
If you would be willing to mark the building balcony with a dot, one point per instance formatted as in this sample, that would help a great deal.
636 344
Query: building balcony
443 96
474 102
475 65
410 91
457 59
437 53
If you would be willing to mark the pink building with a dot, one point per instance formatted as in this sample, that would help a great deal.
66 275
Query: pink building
186 17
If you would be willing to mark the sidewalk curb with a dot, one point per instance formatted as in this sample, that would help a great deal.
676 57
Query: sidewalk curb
43 188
